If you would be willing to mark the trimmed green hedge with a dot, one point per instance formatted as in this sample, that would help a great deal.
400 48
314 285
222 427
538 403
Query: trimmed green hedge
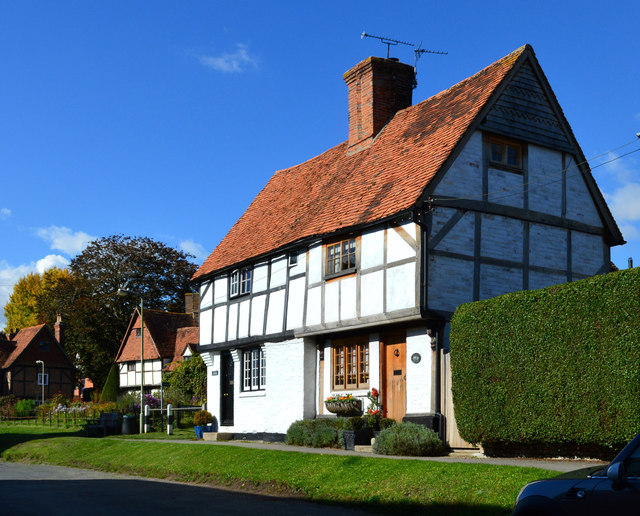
556 367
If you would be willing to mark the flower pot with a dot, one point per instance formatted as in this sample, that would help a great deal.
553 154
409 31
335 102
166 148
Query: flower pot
349 437
347 408
199 431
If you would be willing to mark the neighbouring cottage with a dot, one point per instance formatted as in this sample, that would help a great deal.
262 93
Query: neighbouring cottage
169 338
21 376
343 273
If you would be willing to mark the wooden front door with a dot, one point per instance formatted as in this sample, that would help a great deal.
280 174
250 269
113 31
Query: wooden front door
393 353
226 389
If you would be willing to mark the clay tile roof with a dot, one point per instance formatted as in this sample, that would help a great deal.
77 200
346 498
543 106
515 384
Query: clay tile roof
334 191
18 344
185 337
164 328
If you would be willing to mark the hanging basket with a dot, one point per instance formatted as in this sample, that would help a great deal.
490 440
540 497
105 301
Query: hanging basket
346 408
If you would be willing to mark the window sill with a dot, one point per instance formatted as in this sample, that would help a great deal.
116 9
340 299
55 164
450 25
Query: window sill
253 394
348 272
239 296
506 168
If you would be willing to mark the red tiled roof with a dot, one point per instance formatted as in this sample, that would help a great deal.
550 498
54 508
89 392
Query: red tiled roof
165 330
333 191
20 342
185 337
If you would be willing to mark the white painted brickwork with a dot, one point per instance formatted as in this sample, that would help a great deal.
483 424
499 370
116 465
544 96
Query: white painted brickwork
465 175
502 238
419 375
580 205
495 280
548 246
289 394
460 240
588 253
545 180
506 188
450 283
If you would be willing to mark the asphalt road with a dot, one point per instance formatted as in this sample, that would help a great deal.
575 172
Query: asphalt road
36 489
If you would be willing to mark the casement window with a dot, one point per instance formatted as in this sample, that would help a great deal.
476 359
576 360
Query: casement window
131 366
253 370
340 257
350 363
43 346
505 152
138 332
240 282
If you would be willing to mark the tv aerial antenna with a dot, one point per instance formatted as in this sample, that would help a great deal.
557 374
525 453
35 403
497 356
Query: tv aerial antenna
418 51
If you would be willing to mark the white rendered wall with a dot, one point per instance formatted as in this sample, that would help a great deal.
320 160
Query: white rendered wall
419 375
288 396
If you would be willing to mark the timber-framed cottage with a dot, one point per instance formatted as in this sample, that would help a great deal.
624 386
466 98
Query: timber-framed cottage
343 273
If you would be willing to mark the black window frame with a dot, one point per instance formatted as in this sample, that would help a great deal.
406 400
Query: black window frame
254 366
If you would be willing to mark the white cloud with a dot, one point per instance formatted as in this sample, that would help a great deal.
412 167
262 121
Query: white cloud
235 62
191 247
624 202
5 213
64 239
51 260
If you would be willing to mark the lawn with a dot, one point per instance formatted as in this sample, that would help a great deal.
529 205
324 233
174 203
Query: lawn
371 483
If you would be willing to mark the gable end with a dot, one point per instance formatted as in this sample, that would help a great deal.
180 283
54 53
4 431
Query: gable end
524 110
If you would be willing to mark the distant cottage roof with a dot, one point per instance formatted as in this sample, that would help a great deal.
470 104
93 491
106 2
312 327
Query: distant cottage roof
339 190
168 331
11 350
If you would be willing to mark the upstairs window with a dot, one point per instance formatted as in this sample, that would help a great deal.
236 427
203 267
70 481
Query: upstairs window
341 257
43 346
253 370
240 282
506 153
350 363
131 366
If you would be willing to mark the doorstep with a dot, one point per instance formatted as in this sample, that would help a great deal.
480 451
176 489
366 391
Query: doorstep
217 436
362 448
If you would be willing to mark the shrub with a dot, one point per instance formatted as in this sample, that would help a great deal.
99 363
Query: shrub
8 405
25 408
408 439
128 402
317 433
558 366
202 418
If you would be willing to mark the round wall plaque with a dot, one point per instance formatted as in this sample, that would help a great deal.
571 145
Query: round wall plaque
415 358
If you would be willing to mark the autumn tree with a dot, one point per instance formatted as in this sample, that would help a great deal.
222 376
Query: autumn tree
30 301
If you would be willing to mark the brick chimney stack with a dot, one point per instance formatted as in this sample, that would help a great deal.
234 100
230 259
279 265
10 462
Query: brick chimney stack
378 88
192 304
58 329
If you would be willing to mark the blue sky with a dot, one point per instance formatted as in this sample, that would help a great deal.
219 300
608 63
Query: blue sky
164 119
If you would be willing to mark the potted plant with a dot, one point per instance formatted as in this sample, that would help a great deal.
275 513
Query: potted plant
344 405
201 419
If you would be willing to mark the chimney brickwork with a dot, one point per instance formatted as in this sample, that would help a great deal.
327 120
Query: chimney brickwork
58 328
378 88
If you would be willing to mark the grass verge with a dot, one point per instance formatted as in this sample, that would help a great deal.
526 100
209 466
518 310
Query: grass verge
380 485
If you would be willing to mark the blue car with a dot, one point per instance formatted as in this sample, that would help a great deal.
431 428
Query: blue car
612 489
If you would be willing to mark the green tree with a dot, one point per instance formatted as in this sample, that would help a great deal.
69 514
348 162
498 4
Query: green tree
110 389
95 317
188 382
